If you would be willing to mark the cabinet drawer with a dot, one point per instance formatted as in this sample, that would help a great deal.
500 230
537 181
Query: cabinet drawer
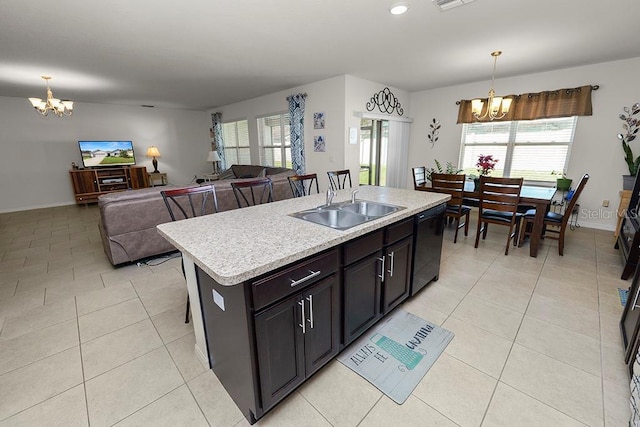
363 246
292 279
399 230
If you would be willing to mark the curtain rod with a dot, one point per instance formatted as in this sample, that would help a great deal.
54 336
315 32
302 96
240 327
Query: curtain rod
593 87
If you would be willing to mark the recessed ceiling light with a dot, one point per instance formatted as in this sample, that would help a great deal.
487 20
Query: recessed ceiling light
399 8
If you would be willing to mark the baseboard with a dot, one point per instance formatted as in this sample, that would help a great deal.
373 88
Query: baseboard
30 208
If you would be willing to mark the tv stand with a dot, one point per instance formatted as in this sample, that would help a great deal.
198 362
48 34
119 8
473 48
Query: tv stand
89 184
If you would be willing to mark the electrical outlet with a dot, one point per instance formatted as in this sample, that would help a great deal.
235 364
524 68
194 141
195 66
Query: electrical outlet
605 203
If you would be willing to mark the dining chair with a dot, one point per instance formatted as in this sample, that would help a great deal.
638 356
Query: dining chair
254 192
184 203
554 219
301 185
454 186
498 204
419 177
338 179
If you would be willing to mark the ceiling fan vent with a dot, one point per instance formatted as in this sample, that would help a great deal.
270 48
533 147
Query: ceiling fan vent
445 5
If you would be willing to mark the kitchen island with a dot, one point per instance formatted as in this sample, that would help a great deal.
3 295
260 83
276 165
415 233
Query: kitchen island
275 297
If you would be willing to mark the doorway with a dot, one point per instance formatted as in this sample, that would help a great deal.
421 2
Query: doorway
374 142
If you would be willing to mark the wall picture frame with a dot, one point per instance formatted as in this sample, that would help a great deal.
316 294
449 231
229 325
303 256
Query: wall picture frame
318 120
319 144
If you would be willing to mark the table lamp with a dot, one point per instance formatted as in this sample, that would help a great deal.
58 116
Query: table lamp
215 158
153 152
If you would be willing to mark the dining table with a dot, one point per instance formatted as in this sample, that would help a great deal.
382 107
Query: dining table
537 197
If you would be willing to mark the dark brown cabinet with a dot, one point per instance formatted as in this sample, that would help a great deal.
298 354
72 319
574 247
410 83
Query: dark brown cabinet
295 338
89 184
397 278
362 282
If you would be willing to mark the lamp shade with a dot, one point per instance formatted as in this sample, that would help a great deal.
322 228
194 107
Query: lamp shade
153 151
213 156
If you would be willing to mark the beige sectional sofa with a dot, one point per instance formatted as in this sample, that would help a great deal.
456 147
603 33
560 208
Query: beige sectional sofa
128 219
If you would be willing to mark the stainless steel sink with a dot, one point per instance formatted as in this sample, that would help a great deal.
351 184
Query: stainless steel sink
342 216
373 209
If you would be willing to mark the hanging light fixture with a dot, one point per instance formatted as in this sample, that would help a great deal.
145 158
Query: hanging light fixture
497 106
59 108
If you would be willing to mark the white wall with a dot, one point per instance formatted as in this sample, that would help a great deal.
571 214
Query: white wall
36 152
596 150
324 96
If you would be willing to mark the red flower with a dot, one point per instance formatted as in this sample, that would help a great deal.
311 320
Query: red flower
486 164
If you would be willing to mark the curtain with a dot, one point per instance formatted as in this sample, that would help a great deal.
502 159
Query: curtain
542 105
397 149
218 140
296 114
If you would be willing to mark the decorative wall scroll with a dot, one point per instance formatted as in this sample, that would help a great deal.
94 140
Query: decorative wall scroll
386 102
434 131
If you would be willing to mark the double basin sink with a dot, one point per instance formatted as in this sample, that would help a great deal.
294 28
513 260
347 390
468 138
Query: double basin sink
342 216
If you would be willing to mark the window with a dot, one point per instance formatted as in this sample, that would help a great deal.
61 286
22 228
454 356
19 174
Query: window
274 140
236 143
531 149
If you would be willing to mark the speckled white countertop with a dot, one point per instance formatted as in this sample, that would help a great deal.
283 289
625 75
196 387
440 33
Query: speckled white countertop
241 244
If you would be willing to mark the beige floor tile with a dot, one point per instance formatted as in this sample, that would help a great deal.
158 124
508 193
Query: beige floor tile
613 366
170 324
440 298
163 299
59 277
610 303
559 385
25 387
158 280
576 276
476 347
28 348
489 316
124 390
521 261
416 306
99 266
568 294
119 347
509 407
617 410
177 408
413 412
38 318
182 353
350 399
166 262
73 288
66 409
563 314
457 281
102 298
573 348
8 289
101 322
21 302
456 390
294 411
129 272
610 329
214 401
503 292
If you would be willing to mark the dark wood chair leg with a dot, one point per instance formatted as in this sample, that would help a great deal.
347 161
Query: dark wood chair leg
186 316
561 242
466 224
478 233
455 237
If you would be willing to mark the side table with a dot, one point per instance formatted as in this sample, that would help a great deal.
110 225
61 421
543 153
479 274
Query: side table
211 177
625 197
155 177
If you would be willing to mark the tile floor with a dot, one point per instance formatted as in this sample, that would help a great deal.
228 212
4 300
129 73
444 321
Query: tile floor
82 343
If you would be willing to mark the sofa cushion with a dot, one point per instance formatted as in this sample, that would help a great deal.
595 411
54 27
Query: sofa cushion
228 174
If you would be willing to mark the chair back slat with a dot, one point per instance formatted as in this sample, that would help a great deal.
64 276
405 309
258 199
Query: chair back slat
500 194
254 192
338 179
419 177
449 184
302 185
183 203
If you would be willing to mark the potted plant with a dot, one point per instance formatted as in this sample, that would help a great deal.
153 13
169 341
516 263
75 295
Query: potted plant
563 183
630 125
451 169
485 165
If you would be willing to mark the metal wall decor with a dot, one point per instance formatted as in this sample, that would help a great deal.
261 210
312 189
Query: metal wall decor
434 131
386 102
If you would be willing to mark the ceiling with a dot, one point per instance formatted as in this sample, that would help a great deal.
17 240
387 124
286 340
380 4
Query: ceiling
200 54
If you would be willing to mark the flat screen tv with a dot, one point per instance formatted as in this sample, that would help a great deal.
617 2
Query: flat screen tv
107 153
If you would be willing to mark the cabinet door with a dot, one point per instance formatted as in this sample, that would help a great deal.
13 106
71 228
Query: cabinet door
322 337
362 295
398 273
138 177
84 181
280 348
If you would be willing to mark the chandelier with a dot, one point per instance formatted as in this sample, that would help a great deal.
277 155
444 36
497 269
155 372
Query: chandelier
497 106
59 108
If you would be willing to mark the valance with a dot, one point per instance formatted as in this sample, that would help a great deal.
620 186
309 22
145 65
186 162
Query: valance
542 105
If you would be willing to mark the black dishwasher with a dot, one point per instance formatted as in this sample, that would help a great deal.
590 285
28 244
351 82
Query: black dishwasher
427 246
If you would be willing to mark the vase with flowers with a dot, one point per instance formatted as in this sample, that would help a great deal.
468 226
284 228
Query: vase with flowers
631 127
485 165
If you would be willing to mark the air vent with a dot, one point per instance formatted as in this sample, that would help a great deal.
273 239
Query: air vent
450 4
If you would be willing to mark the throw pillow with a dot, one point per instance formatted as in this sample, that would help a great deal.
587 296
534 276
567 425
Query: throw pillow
263 173
228 174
